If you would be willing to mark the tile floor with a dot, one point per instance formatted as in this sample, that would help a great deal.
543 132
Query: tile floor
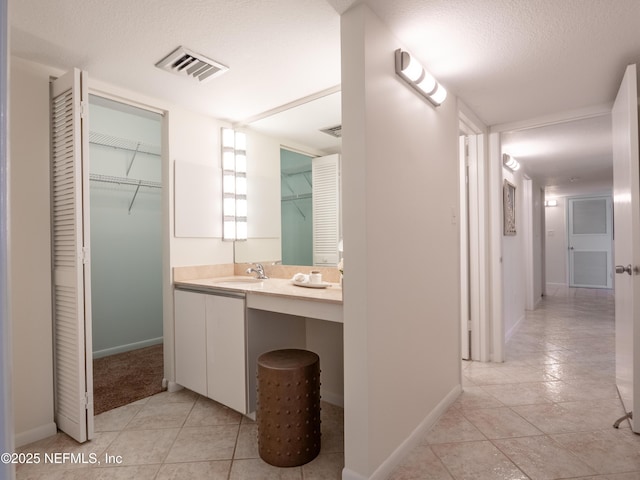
546 413
182 436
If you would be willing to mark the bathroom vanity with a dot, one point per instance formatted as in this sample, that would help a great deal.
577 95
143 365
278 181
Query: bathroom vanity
222 325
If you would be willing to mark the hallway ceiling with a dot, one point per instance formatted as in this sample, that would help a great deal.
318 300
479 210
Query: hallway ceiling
568 158
507 61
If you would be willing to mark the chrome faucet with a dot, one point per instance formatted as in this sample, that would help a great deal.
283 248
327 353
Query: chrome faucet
259 269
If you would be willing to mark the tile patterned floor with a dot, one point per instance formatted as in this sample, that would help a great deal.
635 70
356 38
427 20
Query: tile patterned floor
181 436
546 413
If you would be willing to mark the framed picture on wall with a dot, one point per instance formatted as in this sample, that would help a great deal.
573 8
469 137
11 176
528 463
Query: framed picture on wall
509 208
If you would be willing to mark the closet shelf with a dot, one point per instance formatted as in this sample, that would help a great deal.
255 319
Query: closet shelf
126 181
124 144
301 196
294 195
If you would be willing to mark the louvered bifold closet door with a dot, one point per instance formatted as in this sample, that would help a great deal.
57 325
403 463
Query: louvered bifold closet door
71 276
325 178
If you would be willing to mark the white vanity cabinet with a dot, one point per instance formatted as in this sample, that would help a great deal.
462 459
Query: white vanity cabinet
190 340
210 346
226 352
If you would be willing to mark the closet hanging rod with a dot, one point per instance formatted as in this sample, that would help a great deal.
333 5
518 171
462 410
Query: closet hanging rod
124 144
124 181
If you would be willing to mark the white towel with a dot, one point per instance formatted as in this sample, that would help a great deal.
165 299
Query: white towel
301 278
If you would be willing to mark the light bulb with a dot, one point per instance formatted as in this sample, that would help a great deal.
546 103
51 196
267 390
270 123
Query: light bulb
428 84
439 95
413 70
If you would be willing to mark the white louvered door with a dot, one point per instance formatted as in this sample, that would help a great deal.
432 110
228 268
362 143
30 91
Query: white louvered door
70 256
325 177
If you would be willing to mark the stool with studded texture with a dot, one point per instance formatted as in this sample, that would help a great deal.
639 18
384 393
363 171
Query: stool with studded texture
288 407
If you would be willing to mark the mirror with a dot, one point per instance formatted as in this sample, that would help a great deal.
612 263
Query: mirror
281 146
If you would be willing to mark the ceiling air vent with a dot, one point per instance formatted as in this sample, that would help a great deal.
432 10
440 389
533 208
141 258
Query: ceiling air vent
186 63
333 131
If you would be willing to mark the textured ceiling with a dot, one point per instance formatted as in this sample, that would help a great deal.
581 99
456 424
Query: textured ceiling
567 157
277 50
508 60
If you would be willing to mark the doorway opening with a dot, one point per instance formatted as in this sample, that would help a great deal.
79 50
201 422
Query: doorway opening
126 252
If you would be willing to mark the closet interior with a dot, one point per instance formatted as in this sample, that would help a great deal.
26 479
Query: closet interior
125 172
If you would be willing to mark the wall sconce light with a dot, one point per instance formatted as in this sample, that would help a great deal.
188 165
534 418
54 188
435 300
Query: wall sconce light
510 162
410 70
551 203
234 185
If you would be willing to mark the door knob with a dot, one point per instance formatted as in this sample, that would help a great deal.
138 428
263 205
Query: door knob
621 269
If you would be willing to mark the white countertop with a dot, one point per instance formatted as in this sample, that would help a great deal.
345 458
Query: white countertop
275 287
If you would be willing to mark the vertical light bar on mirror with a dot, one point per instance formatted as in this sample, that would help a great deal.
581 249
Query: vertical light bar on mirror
228 185
241 186
234 185
410 70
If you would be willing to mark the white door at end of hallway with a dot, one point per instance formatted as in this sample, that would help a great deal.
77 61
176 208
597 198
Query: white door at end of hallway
590 237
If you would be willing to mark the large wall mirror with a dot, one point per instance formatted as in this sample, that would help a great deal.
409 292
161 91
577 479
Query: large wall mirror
294 172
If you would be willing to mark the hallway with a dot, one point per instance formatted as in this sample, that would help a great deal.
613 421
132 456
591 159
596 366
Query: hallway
547 412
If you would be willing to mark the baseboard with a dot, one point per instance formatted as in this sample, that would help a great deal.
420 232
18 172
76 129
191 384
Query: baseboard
173 387
35 434
350 475
397 457
513 329
126 348
537 303
333 398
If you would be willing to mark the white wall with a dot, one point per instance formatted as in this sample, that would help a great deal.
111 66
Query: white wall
194 138
401 284
186 135
513 263
30 252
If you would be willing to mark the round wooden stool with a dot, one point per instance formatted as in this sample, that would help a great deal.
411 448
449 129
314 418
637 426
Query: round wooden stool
288 407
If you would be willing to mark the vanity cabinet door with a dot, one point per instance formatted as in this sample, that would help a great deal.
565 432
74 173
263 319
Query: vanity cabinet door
226 357
190 341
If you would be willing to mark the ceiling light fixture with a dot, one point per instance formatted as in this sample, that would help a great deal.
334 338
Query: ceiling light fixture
510 162
551 203
410 70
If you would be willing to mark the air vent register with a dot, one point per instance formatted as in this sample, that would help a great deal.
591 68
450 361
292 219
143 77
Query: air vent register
187 63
